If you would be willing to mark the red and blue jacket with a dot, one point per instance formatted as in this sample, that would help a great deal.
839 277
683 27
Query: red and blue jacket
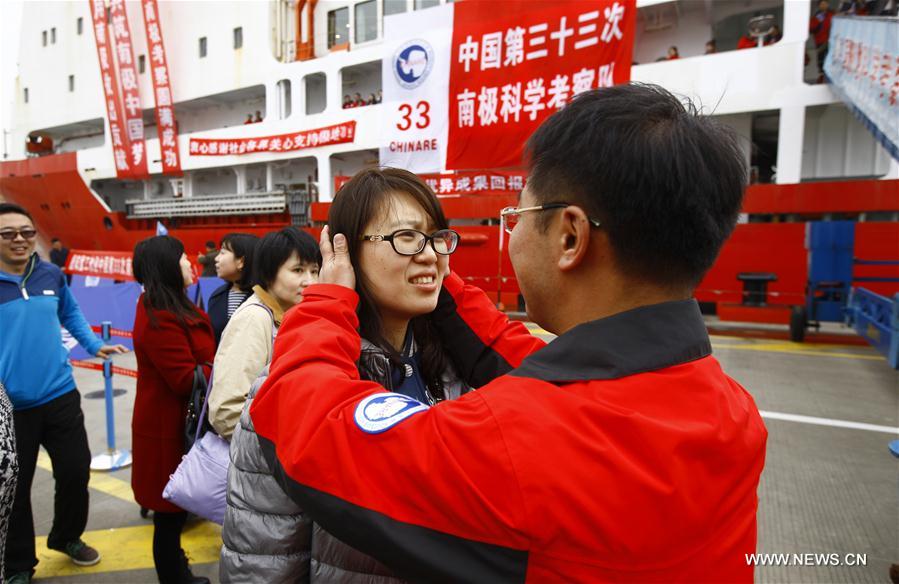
619 452
34 364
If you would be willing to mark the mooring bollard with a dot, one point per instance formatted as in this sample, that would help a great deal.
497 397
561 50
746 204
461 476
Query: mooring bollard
113 458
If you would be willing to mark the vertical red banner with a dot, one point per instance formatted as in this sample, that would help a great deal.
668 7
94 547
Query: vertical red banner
166 124
121 145
515 63
131 110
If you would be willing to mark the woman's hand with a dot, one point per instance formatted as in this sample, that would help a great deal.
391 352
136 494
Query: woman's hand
336 265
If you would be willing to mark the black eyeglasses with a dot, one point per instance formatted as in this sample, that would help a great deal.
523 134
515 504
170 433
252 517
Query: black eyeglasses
510 215
10 234
409 242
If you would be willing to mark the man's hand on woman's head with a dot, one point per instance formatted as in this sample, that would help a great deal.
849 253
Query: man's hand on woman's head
336 265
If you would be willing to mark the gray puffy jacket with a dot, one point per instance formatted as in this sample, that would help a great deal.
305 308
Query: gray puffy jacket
267 537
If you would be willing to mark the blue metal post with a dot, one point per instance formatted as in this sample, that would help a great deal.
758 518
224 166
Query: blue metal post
107 380
113 458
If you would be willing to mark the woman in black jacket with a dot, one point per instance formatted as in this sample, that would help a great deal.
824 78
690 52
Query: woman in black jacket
233 264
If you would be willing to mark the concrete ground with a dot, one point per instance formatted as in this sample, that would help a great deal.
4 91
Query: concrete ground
828 488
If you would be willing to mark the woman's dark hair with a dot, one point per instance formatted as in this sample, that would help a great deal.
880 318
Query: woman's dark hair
358 202
156 267
276 247
242 246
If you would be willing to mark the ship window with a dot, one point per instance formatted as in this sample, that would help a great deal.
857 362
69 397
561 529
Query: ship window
315 93
366 21
79 25
394 7
53 36
44 38
202 47
284 99
238 37
338 25
25 91
361 84
141 63
422 4
71 83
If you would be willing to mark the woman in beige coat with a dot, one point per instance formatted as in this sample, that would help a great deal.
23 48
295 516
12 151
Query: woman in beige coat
285 262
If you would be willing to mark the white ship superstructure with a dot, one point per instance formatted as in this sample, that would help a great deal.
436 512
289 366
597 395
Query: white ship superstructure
230 60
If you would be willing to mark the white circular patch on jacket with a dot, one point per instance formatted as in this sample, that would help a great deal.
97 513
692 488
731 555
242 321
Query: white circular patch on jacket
382 411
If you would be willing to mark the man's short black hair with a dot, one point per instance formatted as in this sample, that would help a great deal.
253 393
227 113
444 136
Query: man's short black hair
10 208
54 240
666 182
210 244
275 248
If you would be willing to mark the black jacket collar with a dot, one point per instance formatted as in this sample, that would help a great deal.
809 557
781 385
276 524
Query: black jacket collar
643 339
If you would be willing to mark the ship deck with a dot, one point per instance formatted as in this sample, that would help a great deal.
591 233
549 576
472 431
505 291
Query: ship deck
828 487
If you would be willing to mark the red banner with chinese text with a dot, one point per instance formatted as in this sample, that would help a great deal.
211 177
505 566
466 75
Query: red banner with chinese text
515 63
121 145
481 182
166 125
336 134
105 264
132 111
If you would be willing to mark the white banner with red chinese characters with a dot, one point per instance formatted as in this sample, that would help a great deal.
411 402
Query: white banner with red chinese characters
336 134
132 111
415 83
105 264
862 66
166 125
473 182
511 65
121 145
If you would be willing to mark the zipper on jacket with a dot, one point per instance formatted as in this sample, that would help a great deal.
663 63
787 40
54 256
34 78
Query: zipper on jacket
31 265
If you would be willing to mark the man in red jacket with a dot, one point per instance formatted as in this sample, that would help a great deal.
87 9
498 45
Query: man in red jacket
819 26
618 452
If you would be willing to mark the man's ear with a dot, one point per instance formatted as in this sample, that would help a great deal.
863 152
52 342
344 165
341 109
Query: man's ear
573 232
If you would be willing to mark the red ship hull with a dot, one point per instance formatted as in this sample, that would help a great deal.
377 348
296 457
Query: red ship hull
63 206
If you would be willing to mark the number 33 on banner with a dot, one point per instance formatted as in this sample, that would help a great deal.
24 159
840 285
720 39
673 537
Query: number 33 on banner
417 115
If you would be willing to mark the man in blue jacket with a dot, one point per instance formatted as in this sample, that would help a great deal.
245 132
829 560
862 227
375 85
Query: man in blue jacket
34 367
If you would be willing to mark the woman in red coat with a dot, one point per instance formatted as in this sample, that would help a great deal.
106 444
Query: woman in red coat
171 337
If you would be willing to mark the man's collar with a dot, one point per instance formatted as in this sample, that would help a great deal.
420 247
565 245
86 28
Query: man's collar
647 338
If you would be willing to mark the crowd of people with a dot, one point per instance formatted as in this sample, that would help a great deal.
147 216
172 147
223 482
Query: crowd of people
385 421
358 101
253 119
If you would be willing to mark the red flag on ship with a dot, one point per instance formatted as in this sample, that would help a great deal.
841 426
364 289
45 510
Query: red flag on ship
121 144
515 63
132 112
342 133
105 264
166 124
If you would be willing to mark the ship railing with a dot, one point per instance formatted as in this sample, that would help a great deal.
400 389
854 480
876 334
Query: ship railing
227 204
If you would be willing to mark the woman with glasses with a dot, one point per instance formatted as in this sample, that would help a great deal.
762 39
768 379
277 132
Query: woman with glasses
399 243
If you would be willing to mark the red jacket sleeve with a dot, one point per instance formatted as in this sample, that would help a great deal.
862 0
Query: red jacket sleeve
169 349
432 495
481 340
